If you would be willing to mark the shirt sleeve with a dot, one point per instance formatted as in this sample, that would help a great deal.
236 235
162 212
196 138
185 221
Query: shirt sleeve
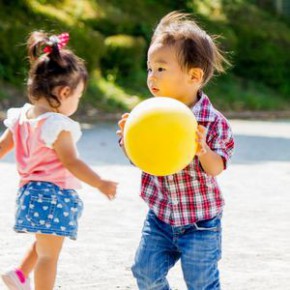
57 123
13 115
221 140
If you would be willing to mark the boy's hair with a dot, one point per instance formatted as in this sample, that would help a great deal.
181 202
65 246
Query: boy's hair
195 48
58 67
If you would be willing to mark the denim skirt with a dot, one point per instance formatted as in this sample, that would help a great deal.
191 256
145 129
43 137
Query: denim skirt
45 208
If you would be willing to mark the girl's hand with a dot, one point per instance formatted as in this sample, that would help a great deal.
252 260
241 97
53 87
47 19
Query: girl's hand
121 125
109 188
201 141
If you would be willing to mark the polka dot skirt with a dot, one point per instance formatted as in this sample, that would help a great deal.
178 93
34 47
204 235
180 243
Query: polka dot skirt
44 208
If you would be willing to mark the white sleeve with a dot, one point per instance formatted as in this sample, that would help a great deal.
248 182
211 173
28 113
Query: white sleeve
57 123
13 115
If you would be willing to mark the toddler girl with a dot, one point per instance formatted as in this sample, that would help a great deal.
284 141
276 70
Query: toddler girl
50 170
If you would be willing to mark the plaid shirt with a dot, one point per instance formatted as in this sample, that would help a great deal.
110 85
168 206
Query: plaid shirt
192 195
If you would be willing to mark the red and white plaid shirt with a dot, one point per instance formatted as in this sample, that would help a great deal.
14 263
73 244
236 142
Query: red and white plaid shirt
192 195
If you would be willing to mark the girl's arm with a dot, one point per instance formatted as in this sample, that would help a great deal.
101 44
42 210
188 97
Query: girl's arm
66 152
6 143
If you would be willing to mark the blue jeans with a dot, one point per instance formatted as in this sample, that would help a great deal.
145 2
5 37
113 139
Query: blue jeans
197 245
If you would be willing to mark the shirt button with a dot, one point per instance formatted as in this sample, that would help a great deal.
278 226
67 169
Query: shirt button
170 177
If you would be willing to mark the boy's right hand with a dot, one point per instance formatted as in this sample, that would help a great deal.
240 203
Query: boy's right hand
121 125
109 188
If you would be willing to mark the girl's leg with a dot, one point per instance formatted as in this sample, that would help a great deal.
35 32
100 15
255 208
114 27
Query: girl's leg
19 277
29 261
48 248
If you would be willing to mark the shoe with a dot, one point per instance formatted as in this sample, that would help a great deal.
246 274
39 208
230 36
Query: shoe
12 281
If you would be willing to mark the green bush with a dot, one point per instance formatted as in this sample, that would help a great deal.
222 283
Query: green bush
258 42
87 44
262 53
13 52
124 56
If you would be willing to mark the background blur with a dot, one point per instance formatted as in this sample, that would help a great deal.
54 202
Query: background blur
113 37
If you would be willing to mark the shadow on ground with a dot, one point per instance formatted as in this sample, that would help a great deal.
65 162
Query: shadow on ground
254 149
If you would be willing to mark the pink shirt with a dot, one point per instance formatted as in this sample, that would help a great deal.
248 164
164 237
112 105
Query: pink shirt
33 142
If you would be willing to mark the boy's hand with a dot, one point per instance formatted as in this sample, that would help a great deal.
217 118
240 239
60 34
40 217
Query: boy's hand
201 140
121 125
109 188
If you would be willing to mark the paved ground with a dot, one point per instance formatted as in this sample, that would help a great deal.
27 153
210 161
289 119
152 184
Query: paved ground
256 243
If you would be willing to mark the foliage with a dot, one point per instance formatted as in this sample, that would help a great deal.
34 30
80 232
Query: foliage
124 55
87 44
232 93
112 36
262 47
260 42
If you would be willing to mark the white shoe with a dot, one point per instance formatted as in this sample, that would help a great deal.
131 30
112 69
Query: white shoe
12 281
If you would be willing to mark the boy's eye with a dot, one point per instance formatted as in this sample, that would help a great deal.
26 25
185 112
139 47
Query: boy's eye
149 70
160 69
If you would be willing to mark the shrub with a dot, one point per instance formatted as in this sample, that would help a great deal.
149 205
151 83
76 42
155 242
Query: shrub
262 53
13 52
124 56
87 44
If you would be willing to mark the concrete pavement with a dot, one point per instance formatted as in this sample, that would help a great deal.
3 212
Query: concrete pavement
256 236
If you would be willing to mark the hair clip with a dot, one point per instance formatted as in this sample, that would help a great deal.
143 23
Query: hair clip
61 40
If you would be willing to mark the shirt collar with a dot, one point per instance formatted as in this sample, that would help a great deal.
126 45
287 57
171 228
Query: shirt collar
203 110
34 122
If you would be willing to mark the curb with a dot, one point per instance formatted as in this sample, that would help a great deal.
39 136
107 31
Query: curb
246 115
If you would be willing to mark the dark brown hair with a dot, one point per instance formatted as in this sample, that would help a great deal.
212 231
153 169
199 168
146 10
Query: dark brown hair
59 67
195 48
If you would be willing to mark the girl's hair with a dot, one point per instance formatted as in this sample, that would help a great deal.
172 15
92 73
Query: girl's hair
195 48
57 67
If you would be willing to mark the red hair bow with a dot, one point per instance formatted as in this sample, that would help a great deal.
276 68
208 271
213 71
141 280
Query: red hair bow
61 40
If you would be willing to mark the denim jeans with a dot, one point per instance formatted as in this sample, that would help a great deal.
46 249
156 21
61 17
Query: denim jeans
197 245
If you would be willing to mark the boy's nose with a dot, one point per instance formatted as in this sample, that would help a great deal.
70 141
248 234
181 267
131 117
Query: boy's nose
152 76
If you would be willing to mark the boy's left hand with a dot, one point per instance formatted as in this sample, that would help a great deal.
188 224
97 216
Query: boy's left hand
121 125
201 140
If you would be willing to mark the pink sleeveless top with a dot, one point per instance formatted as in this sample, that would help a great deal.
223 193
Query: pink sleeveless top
33 142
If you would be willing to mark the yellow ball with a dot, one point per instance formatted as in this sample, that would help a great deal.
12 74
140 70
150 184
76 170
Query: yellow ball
159 136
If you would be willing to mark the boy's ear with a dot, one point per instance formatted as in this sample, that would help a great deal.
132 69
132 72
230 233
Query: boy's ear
196 75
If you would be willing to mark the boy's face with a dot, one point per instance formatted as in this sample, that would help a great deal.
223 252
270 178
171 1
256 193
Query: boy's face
166 78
